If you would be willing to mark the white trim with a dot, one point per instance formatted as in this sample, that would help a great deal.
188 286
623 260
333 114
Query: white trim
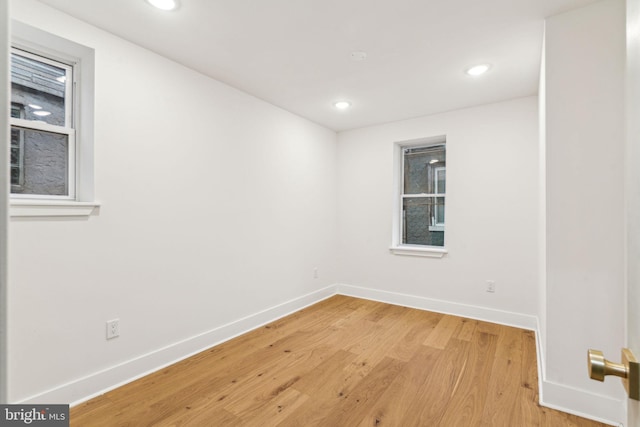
82 58
582 403
552 395
50 208
574 401
421 195
43 126
118 375
397 247
487 314
540 362
418 250
5 185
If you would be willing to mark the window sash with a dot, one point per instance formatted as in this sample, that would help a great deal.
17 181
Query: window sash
423 195
408 150
71 156
69 95
41 126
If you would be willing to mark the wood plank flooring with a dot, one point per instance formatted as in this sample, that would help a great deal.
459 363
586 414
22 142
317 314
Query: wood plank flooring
344 362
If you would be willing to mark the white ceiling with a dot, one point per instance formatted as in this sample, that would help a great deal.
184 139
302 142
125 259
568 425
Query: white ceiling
296 54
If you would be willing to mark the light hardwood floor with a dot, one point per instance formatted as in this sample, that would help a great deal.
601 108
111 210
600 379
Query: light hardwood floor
344 362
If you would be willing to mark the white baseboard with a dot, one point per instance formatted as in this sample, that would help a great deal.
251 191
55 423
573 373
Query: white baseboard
440 306
575 401
582 403
553 395
98 383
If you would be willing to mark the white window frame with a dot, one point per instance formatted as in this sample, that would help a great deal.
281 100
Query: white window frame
397 247
67 129
81 201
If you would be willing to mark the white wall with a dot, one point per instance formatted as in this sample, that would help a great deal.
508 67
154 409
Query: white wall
542 211
632 181
585 204
220 206
215 206
4 189
491 208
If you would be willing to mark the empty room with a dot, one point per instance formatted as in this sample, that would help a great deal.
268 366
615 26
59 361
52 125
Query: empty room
320 213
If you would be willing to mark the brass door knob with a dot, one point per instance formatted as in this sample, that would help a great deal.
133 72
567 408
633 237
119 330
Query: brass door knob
599 367
628 370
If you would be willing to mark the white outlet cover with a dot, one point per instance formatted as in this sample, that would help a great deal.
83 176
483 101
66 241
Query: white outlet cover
113 328
491 286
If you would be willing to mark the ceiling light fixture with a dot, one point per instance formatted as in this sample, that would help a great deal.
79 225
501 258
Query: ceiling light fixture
35 107
42 113
164 4
342 105
478 70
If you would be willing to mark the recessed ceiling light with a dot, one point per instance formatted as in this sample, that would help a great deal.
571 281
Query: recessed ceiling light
35 107
42 113
164 4
477 70
342 105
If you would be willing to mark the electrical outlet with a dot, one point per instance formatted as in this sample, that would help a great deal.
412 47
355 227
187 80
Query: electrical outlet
113 328
315 273
491 286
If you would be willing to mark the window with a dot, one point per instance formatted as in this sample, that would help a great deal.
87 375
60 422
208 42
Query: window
440 187
42 134
17 151
419 217
52 93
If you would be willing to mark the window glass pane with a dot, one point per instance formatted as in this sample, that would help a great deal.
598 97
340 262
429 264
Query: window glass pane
17 111
45 163
16 158
16 148
420 165
419 221
39 88
441 182
439 211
